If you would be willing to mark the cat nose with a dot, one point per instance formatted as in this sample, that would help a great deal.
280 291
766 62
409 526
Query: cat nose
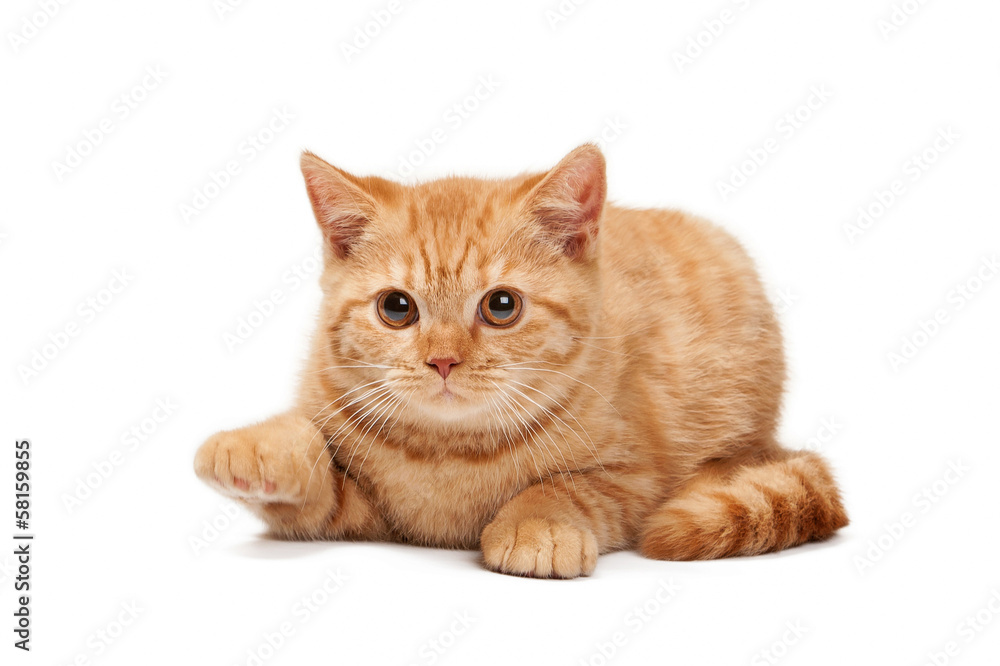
443 365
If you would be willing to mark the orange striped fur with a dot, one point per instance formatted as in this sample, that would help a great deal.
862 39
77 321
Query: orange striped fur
632 404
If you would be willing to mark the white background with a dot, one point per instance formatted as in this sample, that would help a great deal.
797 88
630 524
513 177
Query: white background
890 430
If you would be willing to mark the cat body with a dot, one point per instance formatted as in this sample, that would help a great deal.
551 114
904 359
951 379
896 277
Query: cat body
520 366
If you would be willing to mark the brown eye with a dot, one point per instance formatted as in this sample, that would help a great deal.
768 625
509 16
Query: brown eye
396 309
500 307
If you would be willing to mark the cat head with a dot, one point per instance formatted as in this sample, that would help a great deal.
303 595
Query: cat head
452 301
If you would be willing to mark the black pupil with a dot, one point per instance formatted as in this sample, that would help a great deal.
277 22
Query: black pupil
502 305
396 306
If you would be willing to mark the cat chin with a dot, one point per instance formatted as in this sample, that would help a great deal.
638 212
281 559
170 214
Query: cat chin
450 408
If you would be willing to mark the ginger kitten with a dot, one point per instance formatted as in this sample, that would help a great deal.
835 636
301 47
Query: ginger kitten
519 366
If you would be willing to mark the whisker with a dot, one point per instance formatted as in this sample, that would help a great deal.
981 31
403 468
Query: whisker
342 396
527 446
593 451
337 367
359 441
527 428
382 384
513 366
402 411
610 351
495 410
549 435
398 403
613 337
359 416
377 391
355 420
319 427
362 361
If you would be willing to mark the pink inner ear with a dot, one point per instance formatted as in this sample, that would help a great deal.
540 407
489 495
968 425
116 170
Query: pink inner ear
570 199
591 196
340 208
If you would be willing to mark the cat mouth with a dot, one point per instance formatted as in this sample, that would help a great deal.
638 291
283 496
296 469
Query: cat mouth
448 403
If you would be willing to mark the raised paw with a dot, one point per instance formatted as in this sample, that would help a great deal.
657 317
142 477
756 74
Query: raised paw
271 462
539 547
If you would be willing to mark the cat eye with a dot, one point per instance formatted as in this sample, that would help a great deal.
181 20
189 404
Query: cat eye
500 307
396 309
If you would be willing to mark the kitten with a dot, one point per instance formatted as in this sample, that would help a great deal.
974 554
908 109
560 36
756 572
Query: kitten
519 366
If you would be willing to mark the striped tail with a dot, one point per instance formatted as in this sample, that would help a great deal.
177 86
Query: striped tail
759 508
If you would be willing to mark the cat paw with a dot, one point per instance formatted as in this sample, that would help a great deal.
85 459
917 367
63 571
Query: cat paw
540 548
264 463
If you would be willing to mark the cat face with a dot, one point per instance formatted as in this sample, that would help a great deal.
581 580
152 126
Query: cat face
456 300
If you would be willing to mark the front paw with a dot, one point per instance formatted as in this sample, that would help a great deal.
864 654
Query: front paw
281 461
539 547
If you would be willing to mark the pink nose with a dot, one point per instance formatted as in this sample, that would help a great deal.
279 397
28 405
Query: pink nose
443 365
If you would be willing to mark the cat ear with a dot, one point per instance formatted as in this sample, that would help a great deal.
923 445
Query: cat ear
569 200
341 206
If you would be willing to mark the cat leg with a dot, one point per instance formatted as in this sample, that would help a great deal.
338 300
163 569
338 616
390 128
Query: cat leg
558 530
751 507
280 469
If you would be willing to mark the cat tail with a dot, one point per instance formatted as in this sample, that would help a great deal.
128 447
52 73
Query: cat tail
756 507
